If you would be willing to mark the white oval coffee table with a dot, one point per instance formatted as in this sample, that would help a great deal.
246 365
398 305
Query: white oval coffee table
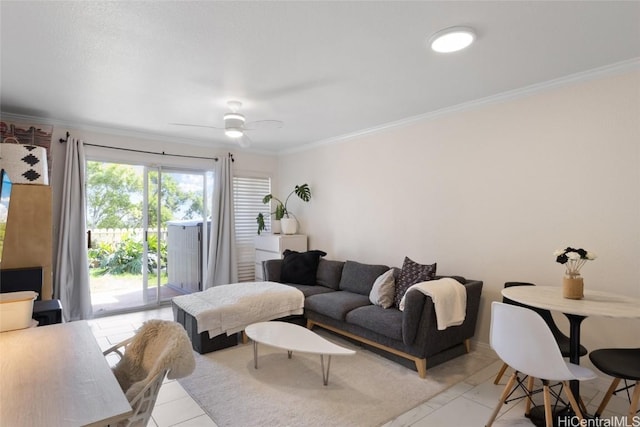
292 338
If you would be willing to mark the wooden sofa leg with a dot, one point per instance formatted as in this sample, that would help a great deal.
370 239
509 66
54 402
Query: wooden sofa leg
421 365
467 344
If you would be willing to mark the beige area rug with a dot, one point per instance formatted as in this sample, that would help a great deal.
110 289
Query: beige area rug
363 390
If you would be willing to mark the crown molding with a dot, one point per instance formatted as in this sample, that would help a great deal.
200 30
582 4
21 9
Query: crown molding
107 130
129 133
583 76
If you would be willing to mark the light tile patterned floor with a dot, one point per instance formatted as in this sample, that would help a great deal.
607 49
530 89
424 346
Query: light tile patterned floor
466 404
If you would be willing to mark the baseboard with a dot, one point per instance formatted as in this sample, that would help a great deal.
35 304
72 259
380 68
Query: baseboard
480 345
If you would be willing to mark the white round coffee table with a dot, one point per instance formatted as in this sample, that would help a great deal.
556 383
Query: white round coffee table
291 337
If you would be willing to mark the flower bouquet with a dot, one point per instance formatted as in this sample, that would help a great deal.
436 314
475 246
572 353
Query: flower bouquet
573 259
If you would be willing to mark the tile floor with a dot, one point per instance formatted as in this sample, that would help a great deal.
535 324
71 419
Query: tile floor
466 404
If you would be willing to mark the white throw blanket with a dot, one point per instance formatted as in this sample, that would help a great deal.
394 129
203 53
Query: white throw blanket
230 308
449 298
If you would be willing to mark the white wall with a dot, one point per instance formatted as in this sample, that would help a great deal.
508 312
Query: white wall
490 193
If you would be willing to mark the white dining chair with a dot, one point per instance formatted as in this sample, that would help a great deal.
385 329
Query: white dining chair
522 339
561 339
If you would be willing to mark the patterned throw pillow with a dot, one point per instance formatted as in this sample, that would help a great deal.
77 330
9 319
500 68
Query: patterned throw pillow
412 273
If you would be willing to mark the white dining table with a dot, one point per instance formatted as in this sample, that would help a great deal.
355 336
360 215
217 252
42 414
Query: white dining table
594 303
56 375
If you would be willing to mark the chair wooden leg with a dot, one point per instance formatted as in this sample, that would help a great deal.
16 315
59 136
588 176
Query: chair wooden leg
634 404
527 409
583 407
500 373
503 397
572 401
548 413
607 396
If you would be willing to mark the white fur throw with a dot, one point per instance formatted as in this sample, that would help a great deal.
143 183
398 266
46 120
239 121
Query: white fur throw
230 308
157 346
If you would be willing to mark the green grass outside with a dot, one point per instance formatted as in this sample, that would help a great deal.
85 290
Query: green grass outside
127 281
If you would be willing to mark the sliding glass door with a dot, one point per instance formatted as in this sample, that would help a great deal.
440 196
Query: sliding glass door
136 216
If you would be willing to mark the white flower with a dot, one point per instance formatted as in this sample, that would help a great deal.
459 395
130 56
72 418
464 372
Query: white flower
591 255
558 252
573 255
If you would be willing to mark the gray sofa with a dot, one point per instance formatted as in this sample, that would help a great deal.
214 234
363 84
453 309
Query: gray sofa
340 303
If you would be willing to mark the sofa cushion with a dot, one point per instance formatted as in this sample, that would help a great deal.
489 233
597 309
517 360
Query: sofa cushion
383 290
359 278
300 267
377 319
335 304
308 290
412 273
329 273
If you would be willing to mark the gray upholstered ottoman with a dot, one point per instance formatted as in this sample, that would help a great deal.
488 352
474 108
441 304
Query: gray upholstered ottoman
214 317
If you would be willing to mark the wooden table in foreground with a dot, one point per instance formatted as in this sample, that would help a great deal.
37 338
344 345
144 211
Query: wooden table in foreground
57 376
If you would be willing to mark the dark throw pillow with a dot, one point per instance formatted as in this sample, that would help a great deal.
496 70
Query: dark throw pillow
412 273
300 267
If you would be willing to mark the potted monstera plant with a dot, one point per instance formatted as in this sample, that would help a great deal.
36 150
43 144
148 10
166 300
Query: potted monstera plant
287 220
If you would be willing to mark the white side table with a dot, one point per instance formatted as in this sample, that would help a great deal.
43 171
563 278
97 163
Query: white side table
271 246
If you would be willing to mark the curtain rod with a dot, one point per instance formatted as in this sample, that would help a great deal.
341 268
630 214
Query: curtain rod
63 140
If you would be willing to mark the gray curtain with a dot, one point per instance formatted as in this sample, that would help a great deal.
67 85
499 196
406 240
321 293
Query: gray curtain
222 267
71 280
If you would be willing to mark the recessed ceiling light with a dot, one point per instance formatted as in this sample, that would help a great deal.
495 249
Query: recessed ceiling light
452 39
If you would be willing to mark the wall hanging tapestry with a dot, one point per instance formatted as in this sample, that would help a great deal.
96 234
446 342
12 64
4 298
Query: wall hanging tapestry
25 152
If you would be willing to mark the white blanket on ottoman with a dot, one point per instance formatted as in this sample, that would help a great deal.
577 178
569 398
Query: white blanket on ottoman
230 308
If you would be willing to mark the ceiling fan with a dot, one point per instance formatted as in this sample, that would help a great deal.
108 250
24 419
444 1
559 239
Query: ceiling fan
235 124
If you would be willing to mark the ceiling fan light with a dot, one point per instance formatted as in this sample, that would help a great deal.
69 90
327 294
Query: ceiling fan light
233 132
234 116
452 39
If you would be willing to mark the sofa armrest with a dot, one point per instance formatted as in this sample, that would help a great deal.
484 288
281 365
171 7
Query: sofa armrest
271 270
419 326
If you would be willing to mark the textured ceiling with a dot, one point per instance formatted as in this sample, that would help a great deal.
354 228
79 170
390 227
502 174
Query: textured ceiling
325 69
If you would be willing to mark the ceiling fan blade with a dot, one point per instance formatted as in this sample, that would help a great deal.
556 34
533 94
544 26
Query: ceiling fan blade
263 124
197 126
294 88
244 141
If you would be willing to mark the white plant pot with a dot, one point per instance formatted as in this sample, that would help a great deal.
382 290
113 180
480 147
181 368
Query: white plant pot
289 225
275 226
